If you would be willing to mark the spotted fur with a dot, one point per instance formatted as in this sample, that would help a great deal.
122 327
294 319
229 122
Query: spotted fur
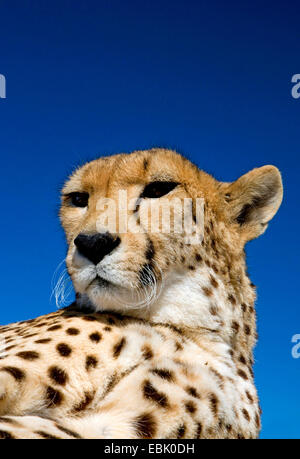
117 364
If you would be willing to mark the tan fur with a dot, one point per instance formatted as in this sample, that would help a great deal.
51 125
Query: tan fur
179 366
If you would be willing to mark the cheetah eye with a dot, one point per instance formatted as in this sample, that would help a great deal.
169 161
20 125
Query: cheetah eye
79 199
158 189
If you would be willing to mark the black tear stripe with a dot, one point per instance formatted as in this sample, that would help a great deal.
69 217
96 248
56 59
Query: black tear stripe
144 277
150 252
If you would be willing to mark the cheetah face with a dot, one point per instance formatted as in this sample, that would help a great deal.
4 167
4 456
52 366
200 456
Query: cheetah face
123 250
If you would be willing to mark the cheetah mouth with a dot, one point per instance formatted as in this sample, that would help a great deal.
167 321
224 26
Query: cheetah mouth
101 282
106 294
107 285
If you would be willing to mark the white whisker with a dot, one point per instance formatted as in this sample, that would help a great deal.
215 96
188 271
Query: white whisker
144 295
61 286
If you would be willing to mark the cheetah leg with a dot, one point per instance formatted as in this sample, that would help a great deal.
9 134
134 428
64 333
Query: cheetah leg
33 427
97 426
19 394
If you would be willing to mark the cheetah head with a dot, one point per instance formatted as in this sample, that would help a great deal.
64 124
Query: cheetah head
118 262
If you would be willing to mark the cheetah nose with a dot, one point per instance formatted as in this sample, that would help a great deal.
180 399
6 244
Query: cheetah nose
95 246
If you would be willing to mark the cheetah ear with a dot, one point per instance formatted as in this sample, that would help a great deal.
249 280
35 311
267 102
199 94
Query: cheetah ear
254 199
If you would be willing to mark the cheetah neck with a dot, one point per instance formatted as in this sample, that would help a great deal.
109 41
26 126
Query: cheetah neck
203 304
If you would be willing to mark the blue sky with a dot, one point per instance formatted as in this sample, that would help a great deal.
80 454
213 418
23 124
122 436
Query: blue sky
211 79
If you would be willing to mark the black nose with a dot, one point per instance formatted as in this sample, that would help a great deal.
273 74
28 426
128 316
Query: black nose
95 246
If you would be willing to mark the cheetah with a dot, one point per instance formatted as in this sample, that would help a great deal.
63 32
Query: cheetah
159 342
